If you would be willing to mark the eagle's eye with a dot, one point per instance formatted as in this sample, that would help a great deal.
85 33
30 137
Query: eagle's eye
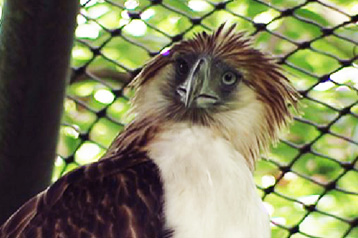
182 66
229 79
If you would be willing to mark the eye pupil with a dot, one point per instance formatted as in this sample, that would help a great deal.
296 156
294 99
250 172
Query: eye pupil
182 67
229 78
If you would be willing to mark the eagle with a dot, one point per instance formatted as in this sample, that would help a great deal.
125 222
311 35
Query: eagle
183 168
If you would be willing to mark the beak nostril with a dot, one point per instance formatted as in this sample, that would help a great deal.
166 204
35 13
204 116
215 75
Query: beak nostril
181 91
181 88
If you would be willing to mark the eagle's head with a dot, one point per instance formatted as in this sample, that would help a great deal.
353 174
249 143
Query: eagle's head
219 81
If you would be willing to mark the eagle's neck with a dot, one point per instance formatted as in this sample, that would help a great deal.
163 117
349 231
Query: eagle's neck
144 130
135 137
209 188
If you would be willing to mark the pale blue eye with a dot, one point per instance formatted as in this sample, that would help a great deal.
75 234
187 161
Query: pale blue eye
229 78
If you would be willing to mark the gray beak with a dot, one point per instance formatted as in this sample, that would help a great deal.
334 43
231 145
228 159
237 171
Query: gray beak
195 82
195 91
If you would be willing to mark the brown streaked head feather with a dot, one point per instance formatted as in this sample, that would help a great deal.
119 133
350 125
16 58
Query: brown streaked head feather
260 76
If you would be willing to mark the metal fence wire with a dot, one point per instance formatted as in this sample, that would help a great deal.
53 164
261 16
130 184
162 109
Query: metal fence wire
309 181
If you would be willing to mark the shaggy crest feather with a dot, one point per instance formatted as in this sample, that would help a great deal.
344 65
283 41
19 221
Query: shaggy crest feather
260 73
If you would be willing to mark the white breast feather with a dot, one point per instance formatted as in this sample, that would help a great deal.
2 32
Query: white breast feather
209 190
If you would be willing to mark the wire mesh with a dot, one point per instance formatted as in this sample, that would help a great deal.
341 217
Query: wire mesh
309 181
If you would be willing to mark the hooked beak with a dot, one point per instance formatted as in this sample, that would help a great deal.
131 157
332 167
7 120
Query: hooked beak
195 91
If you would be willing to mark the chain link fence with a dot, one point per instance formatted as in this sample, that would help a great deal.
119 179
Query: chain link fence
309 181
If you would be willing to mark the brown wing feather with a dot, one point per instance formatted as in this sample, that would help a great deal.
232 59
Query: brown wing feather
116 197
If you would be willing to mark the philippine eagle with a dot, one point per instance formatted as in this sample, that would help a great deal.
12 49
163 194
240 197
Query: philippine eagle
183 168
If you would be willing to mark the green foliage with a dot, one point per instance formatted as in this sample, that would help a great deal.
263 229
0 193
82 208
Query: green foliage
309 172
108 38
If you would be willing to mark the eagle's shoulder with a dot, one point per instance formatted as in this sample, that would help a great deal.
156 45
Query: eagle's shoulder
120 196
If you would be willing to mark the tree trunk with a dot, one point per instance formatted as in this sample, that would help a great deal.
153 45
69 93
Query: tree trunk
36 38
